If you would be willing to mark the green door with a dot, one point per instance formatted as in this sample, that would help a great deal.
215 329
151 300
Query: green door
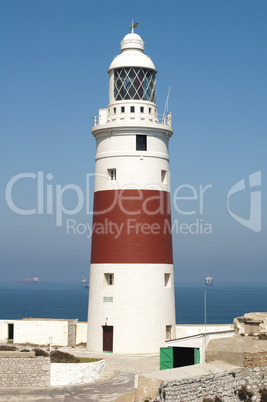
166 358
196 356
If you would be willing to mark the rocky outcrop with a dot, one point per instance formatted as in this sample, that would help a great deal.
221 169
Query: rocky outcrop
251 324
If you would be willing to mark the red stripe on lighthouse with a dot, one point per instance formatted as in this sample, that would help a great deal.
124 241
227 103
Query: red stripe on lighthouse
132 226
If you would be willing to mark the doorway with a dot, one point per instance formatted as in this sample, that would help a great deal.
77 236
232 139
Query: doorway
107 338
10 332
172 356
184 357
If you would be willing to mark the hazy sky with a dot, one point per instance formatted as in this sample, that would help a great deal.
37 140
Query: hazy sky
55 56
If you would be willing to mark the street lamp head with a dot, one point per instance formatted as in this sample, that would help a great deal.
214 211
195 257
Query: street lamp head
208 281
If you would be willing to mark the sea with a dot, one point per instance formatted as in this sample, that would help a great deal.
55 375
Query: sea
70 300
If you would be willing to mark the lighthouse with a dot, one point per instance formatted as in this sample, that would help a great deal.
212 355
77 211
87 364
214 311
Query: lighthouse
131 297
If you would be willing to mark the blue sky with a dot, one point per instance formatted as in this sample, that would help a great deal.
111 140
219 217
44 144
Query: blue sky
55 56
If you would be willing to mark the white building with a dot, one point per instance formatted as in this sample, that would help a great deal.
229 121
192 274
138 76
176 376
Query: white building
131 300
42 331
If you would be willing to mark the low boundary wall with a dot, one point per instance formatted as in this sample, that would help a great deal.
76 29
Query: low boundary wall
32 371
224 385
24 371
76 373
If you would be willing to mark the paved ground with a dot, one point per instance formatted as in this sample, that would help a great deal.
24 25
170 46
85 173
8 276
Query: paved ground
117 380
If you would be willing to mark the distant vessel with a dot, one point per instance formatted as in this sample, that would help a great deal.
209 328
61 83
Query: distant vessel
85 283
32 280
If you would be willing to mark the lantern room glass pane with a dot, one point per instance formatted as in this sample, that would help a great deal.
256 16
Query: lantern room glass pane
134 83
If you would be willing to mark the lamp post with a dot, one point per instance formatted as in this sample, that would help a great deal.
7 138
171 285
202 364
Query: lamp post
208 282
50 342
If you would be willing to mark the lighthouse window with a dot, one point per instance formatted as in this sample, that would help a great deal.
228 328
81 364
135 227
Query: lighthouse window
141 143
108 279
168 332
164 176
167 280
134 83
142 109
122 109
149 110
132 109
112 174
114 110
108 299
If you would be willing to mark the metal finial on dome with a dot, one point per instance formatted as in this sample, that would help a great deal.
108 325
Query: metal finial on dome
134 25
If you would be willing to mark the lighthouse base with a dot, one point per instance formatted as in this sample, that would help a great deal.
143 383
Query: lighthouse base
131 307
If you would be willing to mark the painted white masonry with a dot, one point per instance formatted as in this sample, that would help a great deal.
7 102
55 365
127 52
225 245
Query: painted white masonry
76 373
142 306
38 331
81 332
149 334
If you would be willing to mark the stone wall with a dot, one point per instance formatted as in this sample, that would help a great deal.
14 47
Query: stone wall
255 359
31 371
224 385
24 372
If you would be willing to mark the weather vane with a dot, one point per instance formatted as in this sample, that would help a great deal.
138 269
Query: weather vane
134 25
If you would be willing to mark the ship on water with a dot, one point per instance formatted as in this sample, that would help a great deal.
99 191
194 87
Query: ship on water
85 283
31 280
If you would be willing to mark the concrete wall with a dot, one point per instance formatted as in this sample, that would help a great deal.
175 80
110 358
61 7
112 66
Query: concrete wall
73 373
24 371
4 329
233 350
3 333
72 332
81 332
184 330
199 341
38 331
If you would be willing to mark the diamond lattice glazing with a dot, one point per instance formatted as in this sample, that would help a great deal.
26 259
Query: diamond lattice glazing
134 83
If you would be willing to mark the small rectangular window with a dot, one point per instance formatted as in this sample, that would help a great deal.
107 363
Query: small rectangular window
168 332
114 110
164 176
132 109
112 174
142 109
167 280
149 110
108 299
122 109
108 279
141 143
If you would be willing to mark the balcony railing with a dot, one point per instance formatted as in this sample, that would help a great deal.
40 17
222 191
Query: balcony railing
105 118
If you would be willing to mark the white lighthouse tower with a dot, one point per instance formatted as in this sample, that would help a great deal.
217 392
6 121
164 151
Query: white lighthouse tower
131 297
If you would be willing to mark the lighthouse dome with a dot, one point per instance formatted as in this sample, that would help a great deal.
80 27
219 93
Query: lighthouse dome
132 54
132 41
